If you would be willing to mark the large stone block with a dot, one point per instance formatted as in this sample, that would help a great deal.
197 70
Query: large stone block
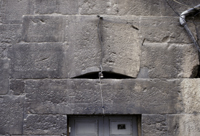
4 81
33 60
83 50
183 125
190 95
10 33
154 125
45 124
162 60
11 11
119 96
11 114
120 46
163 29
56 6
43 29
17 86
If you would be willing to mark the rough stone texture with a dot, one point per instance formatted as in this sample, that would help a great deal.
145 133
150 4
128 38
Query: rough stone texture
55 6
119 96
4 81
10 33
45 124
121 45
17 86
163 29
83 53
83 50
11 11
154 125
43 29
11 114
184 125
36 60
190 95
162 60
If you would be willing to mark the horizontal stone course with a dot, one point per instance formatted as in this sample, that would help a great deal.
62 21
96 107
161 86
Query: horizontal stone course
119 96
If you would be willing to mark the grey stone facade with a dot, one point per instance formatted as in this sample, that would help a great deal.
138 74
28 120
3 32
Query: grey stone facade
46 44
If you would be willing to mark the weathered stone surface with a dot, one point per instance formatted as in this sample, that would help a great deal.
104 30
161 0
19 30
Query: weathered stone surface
43 29
56 6
10 33
34 60
163 29
83 50
190 95
17 86
120 46
83 96
45 124
154 125
184 125
4 81
162 60
11 114
11 11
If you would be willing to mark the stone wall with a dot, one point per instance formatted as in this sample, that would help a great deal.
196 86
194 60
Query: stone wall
44 44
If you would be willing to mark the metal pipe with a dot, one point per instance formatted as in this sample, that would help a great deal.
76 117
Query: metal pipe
183 22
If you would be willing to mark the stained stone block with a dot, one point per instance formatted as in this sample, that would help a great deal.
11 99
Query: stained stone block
120 46
45 124
10 33
119 96
162 60
11 11
43 29
11 115
4 82
33 60
154 125
183 125
17 86
163 29
56 6
190 95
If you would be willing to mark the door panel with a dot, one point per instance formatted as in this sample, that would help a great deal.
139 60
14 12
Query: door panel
103 126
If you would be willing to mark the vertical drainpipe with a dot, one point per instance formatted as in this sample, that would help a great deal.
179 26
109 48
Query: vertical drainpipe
183 22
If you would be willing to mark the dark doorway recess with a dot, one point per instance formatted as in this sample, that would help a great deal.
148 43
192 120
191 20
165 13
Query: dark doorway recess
106 75
195 72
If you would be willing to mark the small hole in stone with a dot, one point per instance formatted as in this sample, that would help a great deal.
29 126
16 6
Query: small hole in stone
106 75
